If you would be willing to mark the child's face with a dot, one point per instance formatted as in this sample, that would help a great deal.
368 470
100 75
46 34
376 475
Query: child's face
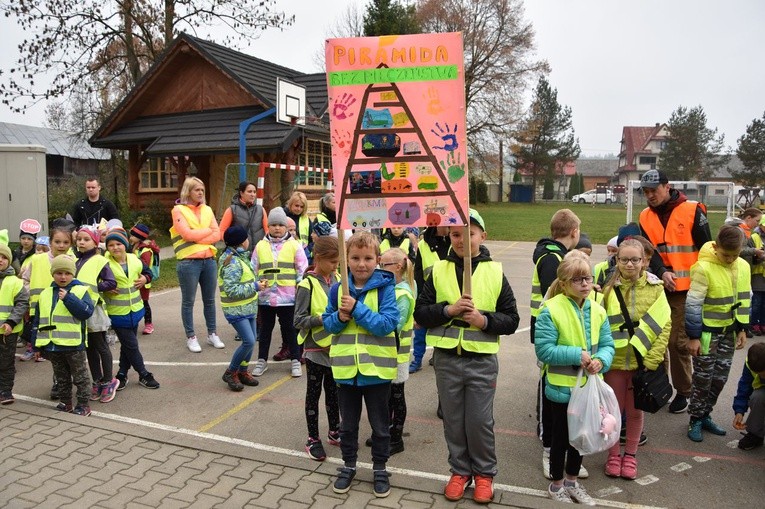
612 250
362 262
26 242
579 287
85 242
397 231
116 248
725 256
62 278
277 230
630 260
60 243
477 236
4 262
327 264
291 228
133 240
389 262
41 248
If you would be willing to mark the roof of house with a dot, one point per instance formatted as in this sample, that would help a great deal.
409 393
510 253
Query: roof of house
218 130
56 142
596 167
634 140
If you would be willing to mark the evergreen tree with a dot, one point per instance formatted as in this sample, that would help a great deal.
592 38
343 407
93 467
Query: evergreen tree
751 152
693 150
390 17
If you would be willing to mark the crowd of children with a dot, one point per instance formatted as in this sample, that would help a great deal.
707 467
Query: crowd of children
60 294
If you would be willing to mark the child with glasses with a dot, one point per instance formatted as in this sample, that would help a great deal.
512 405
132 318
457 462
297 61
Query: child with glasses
649 312
572 332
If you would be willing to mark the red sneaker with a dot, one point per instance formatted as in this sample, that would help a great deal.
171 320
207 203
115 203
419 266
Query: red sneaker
455 488
148 329
483 493
283 354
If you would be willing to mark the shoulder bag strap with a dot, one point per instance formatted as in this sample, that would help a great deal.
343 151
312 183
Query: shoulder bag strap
628 324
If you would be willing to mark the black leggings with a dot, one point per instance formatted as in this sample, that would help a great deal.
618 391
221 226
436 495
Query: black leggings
318 376
267 315
561 452
397 405
147 312
99 358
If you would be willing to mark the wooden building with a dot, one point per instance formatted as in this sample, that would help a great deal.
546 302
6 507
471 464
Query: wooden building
183 119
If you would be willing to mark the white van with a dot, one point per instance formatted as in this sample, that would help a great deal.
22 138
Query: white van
606 197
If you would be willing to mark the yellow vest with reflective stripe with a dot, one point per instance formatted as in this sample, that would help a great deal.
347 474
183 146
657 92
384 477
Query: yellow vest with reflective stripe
405 336
385 245
488 277
88 275
128 298
569 321
10 286
247 276
724 303
280 272
355 350
303 226
428 257
649 328
57 325
40 278
139 254
319 301
598 271
536 286
757 268
183 248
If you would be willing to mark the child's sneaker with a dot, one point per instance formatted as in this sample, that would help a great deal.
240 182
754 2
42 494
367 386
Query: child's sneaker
261 366
315 450
381 483
694 430
613 465
707 424
109 391
28 355
147 380
344 479
749 442
283 354
214 341
6 398
333 437
246 378
95 392
83 410
483 493
64 407
122 381
296 370
577 493
148 329
629 467
193 345
559 496
455 488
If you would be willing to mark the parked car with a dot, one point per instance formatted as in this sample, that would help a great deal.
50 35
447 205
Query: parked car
606 197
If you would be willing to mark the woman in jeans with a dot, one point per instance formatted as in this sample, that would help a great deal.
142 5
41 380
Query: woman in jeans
193 234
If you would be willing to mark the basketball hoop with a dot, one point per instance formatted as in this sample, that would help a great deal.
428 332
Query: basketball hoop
293 120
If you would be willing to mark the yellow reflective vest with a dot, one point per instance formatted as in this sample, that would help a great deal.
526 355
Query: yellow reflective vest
128 299
568 317
248 275
88 275
728 294
355 350
428 257
405 335
319 301
536 286
10 287
385 245
456 333
183 248
756 380
757 268
40 278
57 325
280 272
304 223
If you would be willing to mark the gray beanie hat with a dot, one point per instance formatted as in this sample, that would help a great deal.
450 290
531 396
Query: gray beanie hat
277 216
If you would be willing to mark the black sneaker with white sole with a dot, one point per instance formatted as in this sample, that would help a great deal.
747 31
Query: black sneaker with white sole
678 405
147 380
344 479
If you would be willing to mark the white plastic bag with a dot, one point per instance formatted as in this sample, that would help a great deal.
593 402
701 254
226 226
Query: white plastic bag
594 420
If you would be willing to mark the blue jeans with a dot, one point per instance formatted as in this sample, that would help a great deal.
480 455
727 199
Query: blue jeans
247 330
193 272
418 344
758 313
130 355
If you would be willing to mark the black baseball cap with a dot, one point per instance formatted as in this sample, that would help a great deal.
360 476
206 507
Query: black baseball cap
653 178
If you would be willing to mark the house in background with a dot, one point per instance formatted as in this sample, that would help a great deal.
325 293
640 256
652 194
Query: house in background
594 171
639 151
183 119
597 171
66 154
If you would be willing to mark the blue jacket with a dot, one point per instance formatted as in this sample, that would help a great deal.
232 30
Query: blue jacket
744 392
380 323
81 309
550 352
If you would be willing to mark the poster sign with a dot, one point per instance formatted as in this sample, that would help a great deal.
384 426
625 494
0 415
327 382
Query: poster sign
397 121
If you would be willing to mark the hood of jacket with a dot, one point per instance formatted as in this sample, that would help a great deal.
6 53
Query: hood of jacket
378 279
545 246
9 271
148 243
707 254
483 256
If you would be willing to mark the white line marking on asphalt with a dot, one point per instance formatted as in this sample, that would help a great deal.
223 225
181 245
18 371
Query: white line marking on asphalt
338 461
646 480
681 467
607 492
701 459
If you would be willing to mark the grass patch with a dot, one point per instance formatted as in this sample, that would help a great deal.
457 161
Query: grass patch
530 222
168 277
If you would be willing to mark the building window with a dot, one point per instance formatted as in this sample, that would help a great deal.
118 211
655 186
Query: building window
315 154
158 174
719 191
648 161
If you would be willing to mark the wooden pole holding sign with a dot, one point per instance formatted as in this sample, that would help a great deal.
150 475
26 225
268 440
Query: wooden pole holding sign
467 264
343 263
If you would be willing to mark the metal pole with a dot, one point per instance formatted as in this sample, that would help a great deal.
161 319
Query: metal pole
244 126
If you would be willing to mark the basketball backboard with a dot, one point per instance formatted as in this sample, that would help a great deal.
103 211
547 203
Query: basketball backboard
290 102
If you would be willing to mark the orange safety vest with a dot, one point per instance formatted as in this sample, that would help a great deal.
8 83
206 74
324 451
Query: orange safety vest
675 242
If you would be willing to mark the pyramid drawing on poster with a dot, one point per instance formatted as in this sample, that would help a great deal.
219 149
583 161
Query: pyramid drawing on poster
383 166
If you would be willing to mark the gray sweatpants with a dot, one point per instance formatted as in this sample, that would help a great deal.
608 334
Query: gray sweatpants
755 422
466 387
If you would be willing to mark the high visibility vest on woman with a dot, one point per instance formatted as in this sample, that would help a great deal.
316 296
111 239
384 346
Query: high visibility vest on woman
247 276
385 245
355 350
281 271
57 325
727 296
405 336
457 333
128 298
757 268
40 278
568 317
303 226
428 257
10 287
648 329
536 286
675 242
88 275
319 302
183 248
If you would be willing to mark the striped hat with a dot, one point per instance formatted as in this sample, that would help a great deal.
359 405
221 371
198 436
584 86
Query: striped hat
118 234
